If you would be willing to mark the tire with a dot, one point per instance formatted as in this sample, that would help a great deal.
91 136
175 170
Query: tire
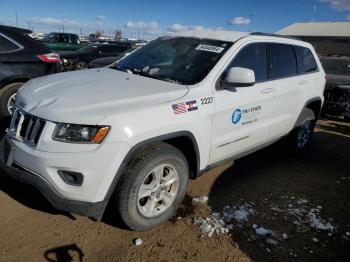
141 198
81 65
300 137
7 94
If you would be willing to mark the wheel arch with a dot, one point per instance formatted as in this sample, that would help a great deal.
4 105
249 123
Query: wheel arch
8 81
310 111
183 140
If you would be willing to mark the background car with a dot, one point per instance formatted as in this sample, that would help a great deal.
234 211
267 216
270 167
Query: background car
337 92
77 60
62 41
21 59
106 61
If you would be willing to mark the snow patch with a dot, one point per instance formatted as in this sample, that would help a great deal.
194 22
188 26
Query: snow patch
317 223
262 231
200 200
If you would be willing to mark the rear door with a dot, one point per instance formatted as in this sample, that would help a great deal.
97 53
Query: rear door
284 79
243 114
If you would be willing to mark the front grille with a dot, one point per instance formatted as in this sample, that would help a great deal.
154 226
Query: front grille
26 127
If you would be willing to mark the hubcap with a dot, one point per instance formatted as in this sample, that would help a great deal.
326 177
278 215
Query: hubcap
158 191
304 134
11 103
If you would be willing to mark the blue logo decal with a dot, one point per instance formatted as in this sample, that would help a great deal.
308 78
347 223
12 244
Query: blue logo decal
236 116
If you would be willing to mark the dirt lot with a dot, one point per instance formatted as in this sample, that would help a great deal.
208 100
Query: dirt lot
301 200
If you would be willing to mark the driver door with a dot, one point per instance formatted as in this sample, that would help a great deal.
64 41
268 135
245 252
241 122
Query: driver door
242 114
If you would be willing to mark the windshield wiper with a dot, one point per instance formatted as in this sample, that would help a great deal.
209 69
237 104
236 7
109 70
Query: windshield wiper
136 71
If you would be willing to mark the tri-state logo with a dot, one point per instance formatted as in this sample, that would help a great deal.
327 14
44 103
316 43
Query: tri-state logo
237 116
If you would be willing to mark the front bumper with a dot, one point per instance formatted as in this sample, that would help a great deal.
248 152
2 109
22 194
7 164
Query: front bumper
36 168
93 210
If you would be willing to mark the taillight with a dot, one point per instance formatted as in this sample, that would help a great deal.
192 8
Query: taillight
50 58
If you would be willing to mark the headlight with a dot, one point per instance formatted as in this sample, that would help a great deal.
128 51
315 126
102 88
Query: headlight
70 133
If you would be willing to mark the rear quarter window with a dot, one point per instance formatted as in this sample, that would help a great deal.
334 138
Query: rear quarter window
306 60
281 61
7 45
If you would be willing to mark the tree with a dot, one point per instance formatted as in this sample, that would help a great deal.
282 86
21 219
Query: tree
118 34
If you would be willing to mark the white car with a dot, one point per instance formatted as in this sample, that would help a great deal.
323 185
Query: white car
136 132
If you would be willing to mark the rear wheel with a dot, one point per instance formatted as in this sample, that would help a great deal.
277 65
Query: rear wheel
301 136
8 98
153 187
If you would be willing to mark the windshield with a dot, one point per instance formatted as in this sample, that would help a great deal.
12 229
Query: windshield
337 67
175 59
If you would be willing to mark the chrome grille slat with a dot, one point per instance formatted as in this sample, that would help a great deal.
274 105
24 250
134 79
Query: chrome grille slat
25 127
29 128
34 131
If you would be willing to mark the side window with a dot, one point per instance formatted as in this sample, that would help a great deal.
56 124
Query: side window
73 39
281 61
7 45
64 38
252 57
306 60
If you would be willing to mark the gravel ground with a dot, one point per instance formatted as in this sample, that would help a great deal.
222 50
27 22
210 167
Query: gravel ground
274 206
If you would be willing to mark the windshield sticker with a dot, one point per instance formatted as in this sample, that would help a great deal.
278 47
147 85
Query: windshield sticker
210 48
246 116
184 107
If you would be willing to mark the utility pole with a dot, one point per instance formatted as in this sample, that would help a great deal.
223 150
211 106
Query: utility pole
16 15
250 22
314 11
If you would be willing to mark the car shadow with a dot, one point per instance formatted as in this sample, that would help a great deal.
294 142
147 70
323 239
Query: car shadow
66 253
28 196
272 173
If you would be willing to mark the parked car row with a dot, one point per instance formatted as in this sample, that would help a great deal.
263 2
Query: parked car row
80 59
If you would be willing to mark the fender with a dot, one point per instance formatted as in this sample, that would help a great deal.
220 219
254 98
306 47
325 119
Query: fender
132 151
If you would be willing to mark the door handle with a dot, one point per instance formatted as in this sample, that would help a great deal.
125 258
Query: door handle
267 90
302 83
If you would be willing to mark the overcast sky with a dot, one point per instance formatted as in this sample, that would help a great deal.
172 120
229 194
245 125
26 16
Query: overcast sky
148 18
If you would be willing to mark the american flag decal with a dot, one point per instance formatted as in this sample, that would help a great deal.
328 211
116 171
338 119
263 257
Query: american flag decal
179 108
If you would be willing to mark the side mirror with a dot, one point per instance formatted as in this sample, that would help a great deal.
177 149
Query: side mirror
240 77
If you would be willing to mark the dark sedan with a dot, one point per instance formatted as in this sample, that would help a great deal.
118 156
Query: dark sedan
77 60
21 59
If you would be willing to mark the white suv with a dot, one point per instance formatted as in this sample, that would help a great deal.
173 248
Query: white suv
137 131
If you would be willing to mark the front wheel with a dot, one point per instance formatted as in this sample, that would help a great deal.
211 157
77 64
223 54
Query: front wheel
8 98
153 187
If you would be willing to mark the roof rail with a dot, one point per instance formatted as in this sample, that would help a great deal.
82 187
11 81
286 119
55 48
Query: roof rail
274 35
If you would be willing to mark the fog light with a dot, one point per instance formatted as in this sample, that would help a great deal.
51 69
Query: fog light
71 178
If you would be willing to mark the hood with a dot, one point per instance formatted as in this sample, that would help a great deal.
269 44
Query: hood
338 80
88 96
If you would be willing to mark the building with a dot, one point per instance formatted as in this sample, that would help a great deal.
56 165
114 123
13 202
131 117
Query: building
328 38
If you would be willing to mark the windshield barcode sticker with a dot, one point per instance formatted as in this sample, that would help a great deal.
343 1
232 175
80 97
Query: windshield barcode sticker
210 48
